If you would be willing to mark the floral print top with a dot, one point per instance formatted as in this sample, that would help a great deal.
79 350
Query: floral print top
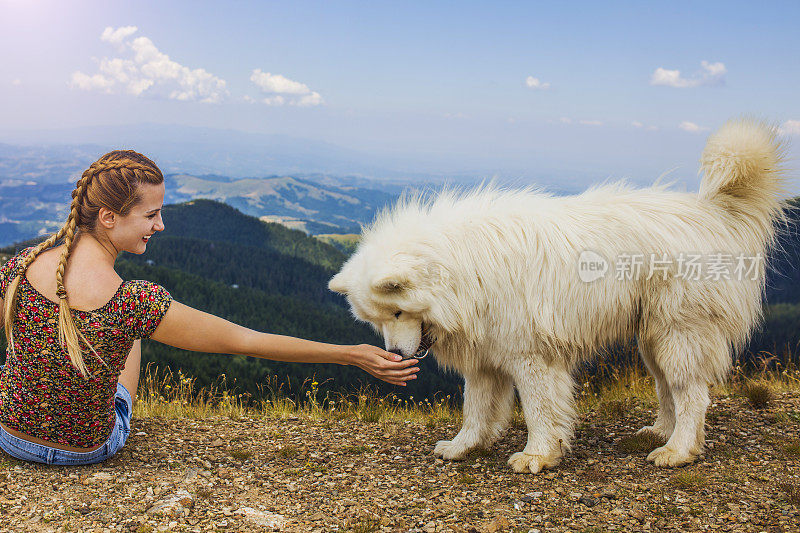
41 393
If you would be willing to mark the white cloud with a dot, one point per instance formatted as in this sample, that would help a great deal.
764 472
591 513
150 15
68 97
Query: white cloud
591 122
116 37
148 72
790 127
691 126
534 83
565 120
281 90
639 125
712 74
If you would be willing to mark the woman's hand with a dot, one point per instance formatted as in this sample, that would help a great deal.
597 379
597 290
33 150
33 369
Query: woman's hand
382 364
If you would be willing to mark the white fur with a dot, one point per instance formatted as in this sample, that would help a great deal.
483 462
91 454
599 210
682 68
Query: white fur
494 276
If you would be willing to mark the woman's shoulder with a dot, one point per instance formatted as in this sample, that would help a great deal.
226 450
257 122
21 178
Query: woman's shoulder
145 303
145 294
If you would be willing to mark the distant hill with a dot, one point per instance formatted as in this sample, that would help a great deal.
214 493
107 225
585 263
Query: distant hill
29 208
334 209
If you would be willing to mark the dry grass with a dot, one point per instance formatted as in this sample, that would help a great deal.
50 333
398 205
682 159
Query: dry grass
640 442
792 492
758 393
611 391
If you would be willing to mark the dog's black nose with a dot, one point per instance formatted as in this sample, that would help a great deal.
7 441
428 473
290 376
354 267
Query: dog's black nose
397 351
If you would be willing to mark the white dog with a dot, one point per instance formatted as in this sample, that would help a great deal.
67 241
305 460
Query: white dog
516 288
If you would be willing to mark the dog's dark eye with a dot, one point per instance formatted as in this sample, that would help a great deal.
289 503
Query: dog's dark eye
397 314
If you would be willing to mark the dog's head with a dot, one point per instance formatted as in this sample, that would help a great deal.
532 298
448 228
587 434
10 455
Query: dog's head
394 293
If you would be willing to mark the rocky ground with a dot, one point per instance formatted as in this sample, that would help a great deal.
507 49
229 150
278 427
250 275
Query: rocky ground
346 475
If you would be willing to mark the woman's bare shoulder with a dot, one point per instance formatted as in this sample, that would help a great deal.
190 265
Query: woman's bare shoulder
88 284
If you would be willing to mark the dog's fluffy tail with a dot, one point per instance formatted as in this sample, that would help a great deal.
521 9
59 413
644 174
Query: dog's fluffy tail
742 166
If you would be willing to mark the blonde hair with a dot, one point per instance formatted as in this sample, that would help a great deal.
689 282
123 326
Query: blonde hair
110 182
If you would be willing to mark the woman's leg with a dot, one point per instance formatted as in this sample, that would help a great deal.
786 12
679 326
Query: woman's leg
129 378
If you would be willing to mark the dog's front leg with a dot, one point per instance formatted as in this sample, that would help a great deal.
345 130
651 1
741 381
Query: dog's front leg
488 403
548 402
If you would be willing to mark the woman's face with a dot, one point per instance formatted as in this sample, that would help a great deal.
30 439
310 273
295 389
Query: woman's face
131 232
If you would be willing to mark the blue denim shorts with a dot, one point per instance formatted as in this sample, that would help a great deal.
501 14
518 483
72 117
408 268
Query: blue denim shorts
29 451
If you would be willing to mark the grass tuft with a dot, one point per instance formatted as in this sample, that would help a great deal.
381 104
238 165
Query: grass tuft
793 448
288 452
241 454
792 492
692 479
595 474
466 479
640 442
758 393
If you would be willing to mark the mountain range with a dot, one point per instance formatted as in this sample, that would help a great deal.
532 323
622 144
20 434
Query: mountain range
29 208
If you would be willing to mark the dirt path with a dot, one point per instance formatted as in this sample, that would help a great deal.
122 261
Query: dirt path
347 475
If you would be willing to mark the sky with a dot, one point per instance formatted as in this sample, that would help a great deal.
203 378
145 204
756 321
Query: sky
597 89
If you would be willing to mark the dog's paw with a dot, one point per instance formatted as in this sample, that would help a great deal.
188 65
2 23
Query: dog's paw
450 450
658 431
525 462
666 456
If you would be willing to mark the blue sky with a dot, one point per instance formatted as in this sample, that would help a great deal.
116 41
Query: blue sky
515 88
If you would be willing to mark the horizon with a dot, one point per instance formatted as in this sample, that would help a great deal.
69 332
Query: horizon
621 91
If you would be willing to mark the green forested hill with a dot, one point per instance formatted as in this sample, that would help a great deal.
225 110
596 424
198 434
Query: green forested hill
214 221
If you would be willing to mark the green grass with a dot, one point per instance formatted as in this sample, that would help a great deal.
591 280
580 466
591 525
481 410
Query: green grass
792 449
288 452
356 450
466 479
241 454
691 479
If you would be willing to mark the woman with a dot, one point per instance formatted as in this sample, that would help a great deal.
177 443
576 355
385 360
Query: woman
74 352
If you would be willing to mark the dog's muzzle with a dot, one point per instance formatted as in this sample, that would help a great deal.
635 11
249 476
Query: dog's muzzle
425 344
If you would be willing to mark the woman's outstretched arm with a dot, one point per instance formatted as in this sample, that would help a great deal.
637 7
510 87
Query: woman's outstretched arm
189 329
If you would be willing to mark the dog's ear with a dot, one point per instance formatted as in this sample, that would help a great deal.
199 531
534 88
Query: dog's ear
391 284
338 284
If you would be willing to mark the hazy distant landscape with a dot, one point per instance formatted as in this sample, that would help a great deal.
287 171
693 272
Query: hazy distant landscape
35 186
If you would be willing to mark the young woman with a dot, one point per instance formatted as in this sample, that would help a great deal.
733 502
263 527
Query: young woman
73 326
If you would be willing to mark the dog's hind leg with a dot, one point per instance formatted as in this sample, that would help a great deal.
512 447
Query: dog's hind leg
665 419
681 357
488 402
548 402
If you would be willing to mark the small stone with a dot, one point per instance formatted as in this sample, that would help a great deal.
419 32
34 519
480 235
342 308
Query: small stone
587 501
263 518
216 443
175 505
498 524
528 498
609 493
